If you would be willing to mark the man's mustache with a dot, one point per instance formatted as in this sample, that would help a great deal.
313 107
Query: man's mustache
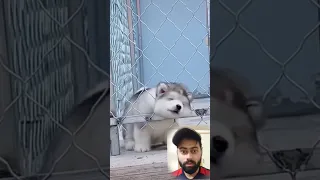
190 161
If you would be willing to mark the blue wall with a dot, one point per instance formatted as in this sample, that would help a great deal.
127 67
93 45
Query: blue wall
152 17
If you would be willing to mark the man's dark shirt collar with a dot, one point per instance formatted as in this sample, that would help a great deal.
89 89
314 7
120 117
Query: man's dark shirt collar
203 173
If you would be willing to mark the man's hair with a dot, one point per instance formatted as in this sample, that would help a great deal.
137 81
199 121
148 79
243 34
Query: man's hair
186 133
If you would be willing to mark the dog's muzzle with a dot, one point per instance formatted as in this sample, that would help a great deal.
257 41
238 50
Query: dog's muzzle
177 109
218 147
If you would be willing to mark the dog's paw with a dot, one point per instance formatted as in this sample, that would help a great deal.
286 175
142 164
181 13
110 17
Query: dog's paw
122 144
129 145
142 148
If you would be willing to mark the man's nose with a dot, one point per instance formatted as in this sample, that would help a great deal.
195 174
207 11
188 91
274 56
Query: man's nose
189 156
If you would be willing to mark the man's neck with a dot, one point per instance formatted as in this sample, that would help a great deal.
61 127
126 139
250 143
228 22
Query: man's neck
191 176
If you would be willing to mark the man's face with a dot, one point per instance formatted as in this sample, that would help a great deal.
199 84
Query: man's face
189 155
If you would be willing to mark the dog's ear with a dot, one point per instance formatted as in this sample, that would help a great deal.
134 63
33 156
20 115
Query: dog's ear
161 88
190 96
228 96
256 112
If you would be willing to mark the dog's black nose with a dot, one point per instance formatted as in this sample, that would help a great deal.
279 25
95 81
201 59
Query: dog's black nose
220 144
178 107
218 147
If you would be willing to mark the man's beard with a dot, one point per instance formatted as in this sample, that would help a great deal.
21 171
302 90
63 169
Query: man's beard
190 170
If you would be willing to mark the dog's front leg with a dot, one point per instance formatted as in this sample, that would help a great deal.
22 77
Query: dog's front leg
128 136
142 138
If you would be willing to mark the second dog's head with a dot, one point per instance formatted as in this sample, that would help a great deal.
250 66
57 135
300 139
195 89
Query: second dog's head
234 123
172 100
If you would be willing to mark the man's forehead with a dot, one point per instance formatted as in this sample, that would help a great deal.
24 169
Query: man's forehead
187 144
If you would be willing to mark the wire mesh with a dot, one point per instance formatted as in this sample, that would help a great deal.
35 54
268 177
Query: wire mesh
131 37
43 78
289 161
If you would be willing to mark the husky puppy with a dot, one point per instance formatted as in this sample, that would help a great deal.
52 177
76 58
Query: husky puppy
166 100
235 120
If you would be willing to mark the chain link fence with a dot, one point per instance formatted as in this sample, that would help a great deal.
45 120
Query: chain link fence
53 54
237 37
156 41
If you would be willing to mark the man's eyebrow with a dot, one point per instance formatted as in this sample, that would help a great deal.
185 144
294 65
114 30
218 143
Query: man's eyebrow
194 147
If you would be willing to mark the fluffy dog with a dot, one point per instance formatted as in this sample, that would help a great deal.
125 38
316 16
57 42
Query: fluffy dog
235 121
166 100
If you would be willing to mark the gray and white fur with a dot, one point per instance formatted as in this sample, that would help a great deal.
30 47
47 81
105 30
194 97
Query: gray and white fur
166 100
235 121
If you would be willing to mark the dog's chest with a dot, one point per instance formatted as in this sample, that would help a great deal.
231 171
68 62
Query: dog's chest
160 128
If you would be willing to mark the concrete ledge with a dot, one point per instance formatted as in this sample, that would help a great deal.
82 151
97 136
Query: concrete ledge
291 132
305 175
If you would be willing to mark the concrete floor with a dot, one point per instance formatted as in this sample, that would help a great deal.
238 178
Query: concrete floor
131 158
132 165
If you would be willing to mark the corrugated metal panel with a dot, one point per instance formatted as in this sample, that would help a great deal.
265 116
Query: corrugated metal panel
137 67
37 51
120 53
53 65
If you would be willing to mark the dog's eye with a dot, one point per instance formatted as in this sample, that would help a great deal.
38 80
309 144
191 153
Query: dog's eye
170 99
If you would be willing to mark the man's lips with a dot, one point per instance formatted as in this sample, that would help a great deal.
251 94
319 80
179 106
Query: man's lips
189 164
